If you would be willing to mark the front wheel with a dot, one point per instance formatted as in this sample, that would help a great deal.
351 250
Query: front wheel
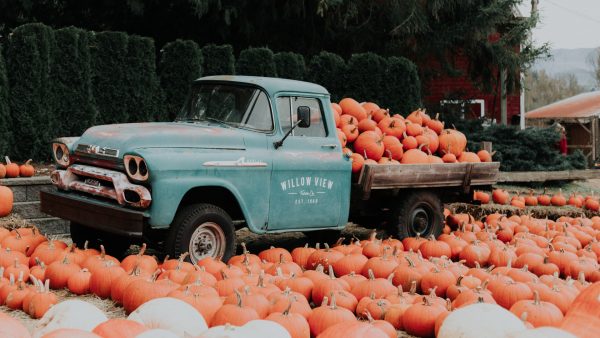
418 213
202 230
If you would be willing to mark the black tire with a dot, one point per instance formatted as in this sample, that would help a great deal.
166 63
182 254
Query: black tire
323 236
212 228
114 245
418 212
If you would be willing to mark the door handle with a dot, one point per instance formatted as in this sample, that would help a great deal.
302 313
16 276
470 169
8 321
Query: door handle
330 146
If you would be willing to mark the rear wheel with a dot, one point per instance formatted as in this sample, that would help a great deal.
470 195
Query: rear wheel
418 212
114 245
202 230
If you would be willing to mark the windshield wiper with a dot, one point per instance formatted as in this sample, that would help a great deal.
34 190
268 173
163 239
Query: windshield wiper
215 120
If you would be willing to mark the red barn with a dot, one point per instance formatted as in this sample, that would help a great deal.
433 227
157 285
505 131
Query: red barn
444 90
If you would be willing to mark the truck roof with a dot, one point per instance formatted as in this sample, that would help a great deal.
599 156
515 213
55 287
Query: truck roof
270 84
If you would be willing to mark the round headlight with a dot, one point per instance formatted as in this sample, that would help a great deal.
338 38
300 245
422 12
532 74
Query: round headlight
132 167
136 168
61 154
143 169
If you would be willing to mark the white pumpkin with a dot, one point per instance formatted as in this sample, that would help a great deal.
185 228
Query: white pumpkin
480 320
542 332
157 333
70 314
224 331
265 328
170 314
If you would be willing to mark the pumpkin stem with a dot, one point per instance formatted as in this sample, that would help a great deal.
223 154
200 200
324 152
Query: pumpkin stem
369 316
413 288
371 275
333 305
286 312
325 301
7 160
142 250
410 262
103 252
331 272
238 296
426 301
536 297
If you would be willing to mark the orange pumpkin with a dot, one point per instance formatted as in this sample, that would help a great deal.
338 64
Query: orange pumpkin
6 201
351 107
370 144
452 141
12 169
26 169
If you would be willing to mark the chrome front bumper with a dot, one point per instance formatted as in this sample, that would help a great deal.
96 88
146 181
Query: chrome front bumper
104 183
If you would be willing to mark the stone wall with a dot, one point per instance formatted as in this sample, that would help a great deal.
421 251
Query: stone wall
27 203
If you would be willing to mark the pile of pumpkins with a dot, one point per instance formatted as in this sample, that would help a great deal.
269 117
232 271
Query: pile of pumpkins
371 135
500 196
544 273
13 170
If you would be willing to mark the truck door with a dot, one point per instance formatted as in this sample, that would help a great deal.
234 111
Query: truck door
311 178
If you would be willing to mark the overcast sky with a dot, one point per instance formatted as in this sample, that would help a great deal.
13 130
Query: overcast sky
567 23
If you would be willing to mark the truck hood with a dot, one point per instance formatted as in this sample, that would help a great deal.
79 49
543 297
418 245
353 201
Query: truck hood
130 136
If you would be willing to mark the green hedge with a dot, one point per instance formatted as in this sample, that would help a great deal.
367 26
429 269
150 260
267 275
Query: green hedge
290 65
365 78
144 97
6 138
328 69
109 76
28 59
531 149
218 60
71 75
256 62
180 64
401 85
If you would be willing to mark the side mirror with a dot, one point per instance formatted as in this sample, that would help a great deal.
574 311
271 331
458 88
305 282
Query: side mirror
303 116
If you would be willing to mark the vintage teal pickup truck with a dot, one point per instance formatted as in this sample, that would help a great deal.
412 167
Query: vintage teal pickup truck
253 152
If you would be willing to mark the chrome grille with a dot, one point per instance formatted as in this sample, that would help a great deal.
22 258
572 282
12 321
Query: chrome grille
97 150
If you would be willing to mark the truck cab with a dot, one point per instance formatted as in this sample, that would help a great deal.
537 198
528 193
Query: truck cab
253 152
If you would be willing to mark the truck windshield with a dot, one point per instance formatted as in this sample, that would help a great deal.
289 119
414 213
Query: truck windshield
231 105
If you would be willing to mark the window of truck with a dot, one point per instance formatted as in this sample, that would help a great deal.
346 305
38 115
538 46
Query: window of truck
286 108
232 105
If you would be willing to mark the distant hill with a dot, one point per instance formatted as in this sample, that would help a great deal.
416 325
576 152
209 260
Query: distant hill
574 61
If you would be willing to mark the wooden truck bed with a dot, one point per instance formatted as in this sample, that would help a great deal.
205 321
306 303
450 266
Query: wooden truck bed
459 175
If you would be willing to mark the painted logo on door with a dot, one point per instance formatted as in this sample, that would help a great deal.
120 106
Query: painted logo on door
306 189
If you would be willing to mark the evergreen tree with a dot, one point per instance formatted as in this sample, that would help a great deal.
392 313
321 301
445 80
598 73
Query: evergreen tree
109 76
144 96
218 60
28 60
257 62
5 119
328 69
290 65
402 86
365 77
180 64
75 109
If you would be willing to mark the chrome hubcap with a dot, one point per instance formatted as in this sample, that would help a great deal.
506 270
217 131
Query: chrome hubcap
208 240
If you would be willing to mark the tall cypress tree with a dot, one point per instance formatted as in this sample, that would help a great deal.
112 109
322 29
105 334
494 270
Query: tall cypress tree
180 64
28 59
218 60
6 137
365 77
290 65
256 61
109 76
144 99
71 73
328 69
